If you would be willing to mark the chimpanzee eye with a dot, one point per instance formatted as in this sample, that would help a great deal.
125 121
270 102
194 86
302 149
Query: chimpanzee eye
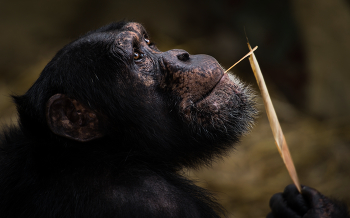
136 55
148 42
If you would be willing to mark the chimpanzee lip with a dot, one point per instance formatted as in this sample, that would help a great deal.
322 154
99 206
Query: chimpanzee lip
223 77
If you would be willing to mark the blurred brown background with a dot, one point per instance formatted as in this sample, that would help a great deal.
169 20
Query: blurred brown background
304 53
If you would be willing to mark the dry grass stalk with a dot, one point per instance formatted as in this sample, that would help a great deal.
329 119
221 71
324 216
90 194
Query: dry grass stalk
274 123
251 52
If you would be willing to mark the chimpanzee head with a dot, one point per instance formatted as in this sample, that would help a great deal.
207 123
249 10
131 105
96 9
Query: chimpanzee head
113 90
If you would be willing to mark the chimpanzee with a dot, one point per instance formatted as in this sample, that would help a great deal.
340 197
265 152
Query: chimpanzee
109 123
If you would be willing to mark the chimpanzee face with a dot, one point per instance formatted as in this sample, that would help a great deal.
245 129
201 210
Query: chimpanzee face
115 83
204 96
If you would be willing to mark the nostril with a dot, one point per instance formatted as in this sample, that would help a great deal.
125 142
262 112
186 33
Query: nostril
183 56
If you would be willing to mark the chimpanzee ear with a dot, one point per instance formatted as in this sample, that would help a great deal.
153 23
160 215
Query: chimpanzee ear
68 118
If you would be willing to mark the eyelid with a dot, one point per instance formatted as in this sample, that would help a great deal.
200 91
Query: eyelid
136 49
140 56
146 38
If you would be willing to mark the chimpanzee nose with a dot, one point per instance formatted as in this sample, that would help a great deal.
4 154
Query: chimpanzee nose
183 56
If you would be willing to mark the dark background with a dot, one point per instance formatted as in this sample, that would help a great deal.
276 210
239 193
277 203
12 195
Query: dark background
304 53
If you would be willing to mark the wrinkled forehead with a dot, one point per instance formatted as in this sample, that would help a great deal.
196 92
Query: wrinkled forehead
130 34
134 27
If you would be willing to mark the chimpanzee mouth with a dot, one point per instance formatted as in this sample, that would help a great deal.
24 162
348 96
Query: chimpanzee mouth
223 79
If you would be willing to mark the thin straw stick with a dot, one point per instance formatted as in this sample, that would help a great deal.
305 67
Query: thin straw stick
252 50
275 125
